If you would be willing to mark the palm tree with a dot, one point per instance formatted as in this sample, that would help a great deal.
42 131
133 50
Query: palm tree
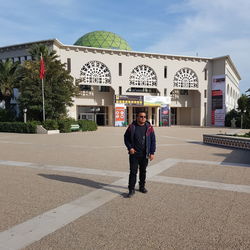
8 79
37 49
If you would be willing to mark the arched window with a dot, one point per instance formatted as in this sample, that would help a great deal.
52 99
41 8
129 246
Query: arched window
186 78
143 75
95 72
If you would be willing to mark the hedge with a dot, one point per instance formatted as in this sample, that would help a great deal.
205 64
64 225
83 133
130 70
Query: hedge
50 124
18 127
63 125
86 125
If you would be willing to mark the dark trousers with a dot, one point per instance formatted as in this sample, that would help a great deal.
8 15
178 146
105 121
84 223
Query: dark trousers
136 160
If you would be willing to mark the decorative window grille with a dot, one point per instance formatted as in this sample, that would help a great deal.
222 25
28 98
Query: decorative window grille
143 75
95 72
186 78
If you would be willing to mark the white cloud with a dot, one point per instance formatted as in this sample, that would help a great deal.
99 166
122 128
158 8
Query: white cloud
211 28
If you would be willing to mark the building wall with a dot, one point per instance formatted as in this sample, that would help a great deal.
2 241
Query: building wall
232 88
194 108
129 61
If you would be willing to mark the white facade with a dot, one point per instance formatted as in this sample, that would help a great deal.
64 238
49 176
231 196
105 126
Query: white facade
187 80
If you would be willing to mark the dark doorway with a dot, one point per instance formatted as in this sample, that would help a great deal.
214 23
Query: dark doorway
100 119
173 116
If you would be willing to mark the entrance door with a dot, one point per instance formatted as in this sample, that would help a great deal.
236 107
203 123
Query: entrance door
87 116
100 119
173 116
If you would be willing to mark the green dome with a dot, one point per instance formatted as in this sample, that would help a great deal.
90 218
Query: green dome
103 39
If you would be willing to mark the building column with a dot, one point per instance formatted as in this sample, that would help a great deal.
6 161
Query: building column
150 114
130 114
157 118
110 115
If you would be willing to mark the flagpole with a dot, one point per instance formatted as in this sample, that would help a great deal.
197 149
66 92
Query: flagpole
42 71
43 100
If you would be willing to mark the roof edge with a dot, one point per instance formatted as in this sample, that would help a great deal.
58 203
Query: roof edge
230 62
53 40
60 44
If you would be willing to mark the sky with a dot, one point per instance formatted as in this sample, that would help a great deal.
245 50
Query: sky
181 27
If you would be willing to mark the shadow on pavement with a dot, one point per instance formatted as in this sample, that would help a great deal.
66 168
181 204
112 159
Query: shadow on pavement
235 155
240 156
85 182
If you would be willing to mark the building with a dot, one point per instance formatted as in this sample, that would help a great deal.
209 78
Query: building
115 82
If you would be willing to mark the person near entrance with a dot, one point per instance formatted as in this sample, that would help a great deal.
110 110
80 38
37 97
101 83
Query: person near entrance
139 139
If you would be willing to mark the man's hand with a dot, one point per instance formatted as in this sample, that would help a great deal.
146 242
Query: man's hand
132 151
151 157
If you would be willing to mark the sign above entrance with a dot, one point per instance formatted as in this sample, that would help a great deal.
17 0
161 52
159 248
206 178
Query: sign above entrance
156 100
129 100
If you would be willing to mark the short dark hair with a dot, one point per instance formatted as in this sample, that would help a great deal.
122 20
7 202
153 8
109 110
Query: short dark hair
140 111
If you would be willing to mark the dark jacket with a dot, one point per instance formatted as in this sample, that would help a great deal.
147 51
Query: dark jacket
150 138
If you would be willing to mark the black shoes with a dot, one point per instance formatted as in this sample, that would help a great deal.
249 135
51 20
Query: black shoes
143 190
131 193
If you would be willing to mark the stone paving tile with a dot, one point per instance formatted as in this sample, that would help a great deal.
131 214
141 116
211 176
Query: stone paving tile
236 233
214 173
168 217
79 149
26 193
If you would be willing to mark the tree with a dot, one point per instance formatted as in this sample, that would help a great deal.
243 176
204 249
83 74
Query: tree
232 114
9 77
244 108
39 49
248 103
59 88
242 103
247 114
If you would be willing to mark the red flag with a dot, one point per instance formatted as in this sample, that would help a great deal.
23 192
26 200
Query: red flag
42 68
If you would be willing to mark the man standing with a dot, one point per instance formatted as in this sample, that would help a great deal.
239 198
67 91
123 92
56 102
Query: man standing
139 139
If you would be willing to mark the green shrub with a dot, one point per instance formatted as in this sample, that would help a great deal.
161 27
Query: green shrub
18 127
7 115
247 134
64 125
230 115
50 124
246 121
86 125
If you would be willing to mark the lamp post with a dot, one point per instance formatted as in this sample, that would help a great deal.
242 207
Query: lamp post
241 118
25 115
95 110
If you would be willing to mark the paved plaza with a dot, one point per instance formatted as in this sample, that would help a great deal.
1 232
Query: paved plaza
68 191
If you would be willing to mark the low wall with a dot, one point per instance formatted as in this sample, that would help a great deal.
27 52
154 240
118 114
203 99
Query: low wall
41 130
227 141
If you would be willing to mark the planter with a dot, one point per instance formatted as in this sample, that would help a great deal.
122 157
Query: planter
227 141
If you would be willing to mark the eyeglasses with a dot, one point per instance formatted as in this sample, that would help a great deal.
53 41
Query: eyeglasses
142 116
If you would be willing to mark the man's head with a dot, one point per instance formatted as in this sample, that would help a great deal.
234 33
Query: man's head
141 117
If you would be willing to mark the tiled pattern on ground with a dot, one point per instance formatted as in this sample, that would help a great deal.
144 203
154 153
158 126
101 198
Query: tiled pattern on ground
169 217
40 191
214 173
